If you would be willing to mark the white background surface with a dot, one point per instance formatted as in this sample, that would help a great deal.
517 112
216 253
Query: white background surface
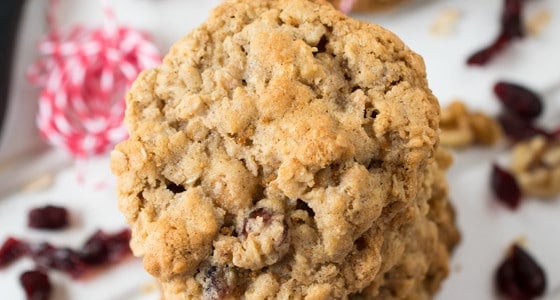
487 227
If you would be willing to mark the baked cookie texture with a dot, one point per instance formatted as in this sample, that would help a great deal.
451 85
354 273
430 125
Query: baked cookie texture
285 151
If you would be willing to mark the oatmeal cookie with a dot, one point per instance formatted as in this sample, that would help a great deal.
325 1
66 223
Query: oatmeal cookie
284 150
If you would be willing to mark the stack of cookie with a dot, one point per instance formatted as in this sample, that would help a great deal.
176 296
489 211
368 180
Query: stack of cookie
284 150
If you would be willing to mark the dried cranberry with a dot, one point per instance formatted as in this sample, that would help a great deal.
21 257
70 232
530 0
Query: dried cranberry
512 25
48 217
518 129
63 259
519 276
483 56
219 282
36 285
101 247
511 28
519 100
505 280
505 187
257 213
11 250
119 245
94 251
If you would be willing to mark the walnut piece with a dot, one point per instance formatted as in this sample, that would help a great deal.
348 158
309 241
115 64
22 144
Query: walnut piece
461 128
536 164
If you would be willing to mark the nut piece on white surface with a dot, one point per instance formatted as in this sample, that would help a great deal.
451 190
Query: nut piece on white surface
461 128
536 164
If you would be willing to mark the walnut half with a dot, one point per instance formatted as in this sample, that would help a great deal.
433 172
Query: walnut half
536 164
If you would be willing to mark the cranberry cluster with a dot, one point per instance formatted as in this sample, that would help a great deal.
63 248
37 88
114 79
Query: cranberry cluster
519 277
521 108
99 249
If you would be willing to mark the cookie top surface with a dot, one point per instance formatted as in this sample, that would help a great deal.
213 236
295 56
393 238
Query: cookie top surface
269 141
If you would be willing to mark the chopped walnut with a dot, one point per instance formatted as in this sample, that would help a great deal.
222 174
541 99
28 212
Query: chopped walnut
462 128
536 164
